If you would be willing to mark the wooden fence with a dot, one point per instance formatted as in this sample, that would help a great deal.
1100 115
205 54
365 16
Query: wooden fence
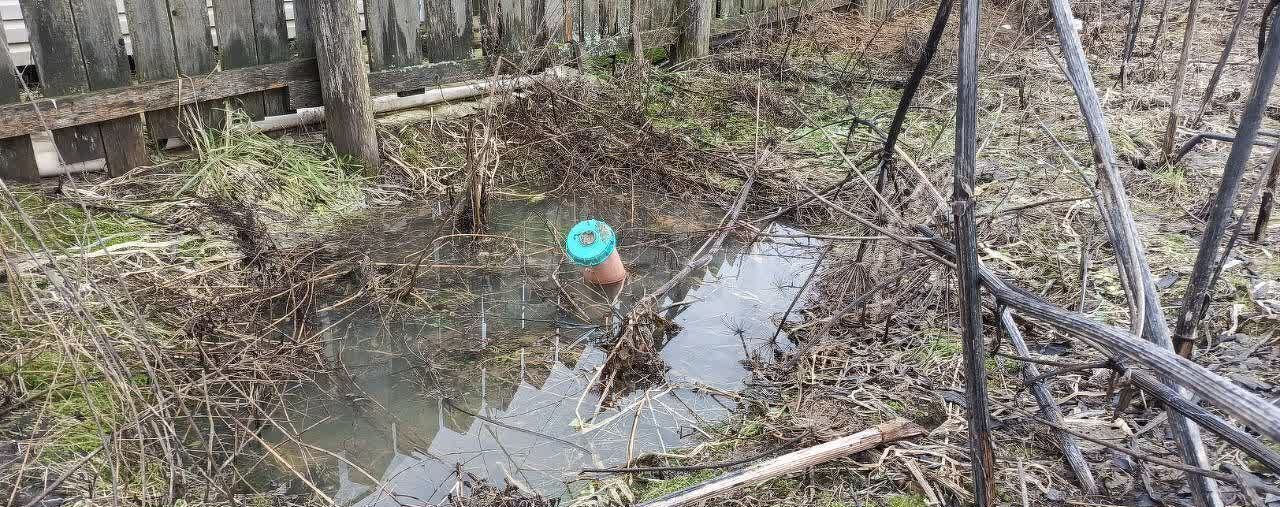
105 97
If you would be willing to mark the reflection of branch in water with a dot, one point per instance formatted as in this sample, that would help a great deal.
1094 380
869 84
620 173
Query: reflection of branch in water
705 466
515 428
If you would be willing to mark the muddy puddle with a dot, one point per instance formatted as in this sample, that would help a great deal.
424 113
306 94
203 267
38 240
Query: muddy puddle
492 374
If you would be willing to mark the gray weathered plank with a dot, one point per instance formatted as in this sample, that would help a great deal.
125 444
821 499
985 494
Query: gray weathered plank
27 117
154 57
448 30
17 159
107 66
514 24
590 23
304 42
392 29
193 47
238 47
57 53
271 33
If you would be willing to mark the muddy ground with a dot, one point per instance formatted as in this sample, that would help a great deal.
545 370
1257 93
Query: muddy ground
157 322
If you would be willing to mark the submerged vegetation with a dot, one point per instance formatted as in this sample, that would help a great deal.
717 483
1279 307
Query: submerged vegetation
156 324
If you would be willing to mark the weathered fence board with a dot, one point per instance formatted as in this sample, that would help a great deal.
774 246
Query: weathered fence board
86 108
238 47
448 30
304 42
17 158
392 29
107 66
193 45
56 49
155 57
271 36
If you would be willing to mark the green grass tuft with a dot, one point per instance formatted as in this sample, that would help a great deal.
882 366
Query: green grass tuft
299 181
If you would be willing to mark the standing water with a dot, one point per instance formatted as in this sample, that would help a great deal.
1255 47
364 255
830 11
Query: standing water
492 374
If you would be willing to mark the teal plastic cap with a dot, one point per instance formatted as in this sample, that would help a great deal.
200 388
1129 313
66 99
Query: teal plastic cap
590 242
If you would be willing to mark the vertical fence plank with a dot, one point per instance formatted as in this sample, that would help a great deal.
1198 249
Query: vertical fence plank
107 66
56 52
17 158
238 47
589 23
304 42
448 30
193 48
154 57
513 24
271 35
392 28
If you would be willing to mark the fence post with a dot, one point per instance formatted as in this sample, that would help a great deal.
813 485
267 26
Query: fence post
344 82
695 30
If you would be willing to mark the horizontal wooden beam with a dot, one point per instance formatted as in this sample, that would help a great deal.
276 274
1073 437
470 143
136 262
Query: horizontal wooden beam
93 107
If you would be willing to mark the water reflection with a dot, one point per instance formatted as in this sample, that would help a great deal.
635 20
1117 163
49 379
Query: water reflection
492 378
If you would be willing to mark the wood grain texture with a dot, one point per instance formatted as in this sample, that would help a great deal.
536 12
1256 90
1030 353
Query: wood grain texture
56 51
1147 317
695 30
392 30
193 45
107 66
591 21
238 48
304 42
344 82
91 107
271 35
448 30
792 462
17 158
155 57
964 223
1049 409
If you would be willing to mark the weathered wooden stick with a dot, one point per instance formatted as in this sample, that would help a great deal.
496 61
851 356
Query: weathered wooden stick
982 455
1249 408
1194 303
1121 345
891 431
1175 101
1241 11
1237 437
1201 137
1049 409
1146 315
1131 37
1268 198
344 82
913 83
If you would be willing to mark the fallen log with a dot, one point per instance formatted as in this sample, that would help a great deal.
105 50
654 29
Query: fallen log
891 431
